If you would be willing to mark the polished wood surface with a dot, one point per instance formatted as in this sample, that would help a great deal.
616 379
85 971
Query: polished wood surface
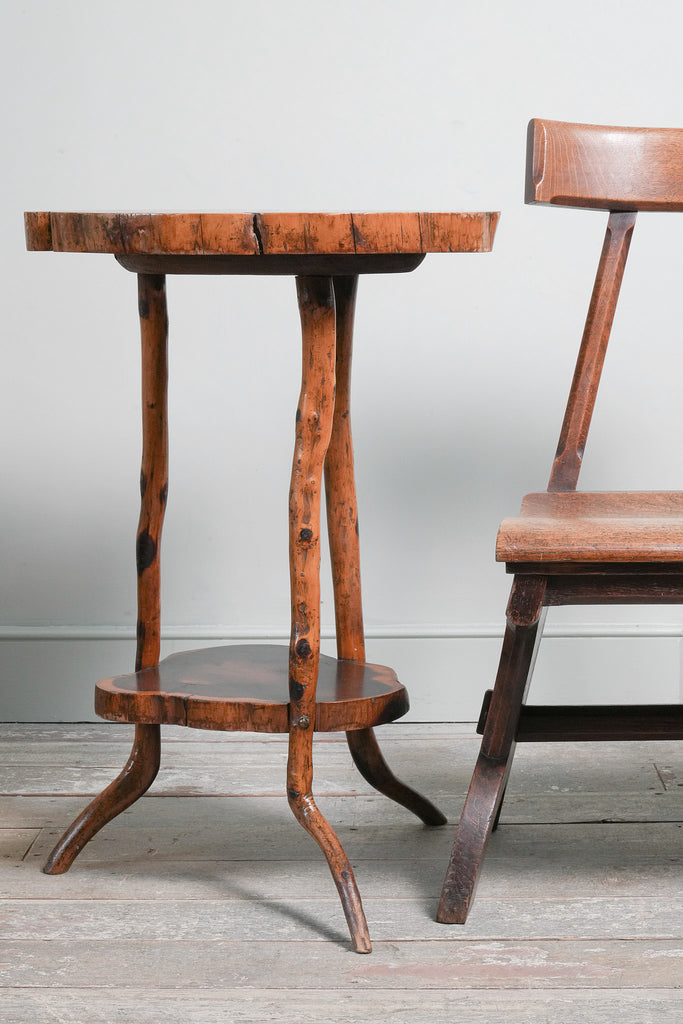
604 167
568 547
260 234
243 687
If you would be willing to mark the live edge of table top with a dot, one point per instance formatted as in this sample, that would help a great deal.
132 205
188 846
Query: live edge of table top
260 234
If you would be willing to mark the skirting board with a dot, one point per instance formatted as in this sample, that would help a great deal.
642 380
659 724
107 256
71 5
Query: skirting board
49 675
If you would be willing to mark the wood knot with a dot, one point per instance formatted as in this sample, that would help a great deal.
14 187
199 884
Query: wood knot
146 551
303 649
296 690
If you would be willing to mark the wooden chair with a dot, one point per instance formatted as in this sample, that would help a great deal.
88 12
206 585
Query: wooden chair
568 547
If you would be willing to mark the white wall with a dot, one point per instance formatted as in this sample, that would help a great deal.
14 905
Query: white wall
461 368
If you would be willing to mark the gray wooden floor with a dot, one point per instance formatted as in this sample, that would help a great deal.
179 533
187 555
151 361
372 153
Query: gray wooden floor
206 902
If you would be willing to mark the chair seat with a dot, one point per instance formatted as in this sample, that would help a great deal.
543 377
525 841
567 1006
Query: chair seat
608 526
244 687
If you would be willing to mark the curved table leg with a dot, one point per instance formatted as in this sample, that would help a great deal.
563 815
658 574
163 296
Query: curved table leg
143 763
342 527
307 814
370 762
313 429
487 788
135 779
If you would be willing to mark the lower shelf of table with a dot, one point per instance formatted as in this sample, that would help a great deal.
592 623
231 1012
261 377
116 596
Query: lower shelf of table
245 687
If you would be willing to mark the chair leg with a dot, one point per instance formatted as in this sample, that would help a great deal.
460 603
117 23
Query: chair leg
135 779
496 820
369 761
522 634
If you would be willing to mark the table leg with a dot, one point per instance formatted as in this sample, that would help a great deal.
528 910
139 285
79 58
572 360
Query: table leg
143 763
313 429
342 527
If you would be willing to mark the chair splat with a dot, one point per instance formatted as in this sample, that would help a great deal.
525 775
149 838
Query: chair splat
584 389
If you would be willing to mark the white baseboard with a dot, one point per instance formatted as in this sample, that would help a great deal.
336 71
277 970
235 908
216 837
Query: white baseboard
47 673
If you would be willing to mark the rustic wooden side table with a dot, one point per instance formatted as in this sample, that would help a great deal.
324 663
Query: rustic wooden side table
263 688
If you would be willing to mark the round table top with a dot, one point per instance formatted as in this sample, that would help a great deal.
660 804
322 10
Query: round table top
260 234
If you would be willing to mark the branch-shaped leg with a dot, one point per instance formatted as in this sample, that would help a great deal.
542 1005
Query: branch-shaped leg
313 429
369 761
308 814
135 779
342 527
520 644
143 763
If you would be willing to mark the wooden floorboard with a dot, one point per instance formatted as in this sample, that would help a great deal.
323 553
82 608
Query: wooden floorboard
375 1006
310 920
206 902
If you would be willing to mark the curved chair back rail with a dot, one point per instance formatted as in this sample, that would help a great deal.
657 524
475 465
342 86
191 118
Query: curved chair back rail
605 168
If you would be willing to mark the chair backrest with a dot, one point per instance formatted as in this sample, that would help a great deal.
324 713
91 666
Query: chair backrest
604 168
622 170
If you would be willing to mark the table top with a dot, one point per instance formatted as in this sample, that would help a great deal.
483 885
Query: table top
260 234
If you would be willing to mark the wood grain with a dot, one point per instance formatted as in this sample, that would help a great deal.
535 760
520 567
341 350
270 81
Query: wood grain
623 861
591 539
486 793
260 234
244 687
610 504
584 388
395 920
436 965
341 1006
608 168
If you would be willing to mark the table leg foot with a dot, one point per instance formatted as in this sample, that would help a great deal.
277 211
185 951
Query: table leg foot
310 817
370 762
135 779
